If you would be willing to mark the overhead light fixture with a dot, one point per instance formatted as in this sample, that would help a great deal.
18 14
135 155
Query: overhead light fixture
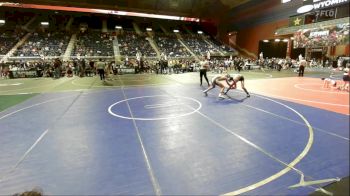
121 13
8 3
44 23
277 40
285 1
285 40
292 38
176 31
2 21
118 27
200 32
148 29
305 8
265 40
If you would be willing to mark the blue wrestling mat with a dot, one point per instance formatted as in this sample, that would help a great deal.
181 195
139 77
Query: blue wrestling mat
169 140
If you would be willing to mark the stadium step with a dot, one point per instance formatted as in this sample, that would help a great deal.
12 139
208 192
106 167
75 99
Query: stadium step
14 48
187 48
70 47
137 28
29 23
154 46
117 57
69 23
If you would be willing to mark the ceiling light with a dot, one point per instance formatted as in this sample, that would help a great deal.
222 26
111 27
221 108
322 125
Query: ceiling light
305 8
285 1
292 38
176 31
200 32
44 23
2 21
265 40
118 27
121 13
277 40
285 40
148 29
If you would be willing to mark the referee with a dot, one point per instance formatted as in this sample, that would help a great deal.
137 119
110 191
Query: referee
204 66
100 66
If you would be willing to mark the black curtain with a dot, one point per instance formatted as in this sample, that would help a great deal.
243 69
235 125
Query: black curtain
296 52
273 49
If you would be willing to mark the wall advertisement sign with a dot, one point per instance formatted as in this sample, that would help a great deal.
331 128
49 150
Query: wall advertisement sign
322 37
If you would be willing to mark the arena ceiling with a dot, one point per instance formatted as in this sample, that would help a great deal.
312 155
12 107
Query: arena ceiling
189 8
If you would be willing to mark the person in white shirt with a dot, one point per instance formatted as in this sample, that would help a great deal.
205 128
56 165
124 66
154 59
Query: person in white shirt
204 66
100 66
302 65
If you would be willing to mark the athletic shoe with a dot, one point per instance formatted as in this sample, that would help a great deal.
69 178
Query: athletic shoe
222 96
205 93
248 95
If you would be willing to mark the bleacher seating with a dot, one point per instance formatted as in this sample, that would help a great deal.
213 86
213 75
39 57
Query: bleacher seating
93 43
8 39
169 45
130 43
41 44
198 45
220 46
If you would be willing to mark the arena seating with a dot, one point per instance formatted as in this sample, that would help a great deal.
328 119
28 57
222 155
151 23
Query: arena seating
44 44
169 45
93 43
8 39
197 44
130 43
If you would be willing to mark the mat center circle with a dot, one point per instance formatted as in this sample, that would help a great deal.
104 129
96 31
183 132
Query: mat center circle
155 107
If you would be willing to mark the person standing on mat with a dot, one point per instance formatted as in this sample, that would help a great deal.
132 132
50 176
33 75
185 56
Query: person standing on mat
100 66
302 65
204 66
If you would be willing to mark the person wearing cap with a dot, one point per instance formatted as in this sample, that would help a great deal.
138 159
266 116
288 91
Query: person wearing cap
216 80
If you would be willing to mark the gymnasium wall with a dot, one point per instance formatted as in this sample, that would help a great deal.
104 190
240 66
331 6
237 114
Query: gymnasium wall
249 38
341 50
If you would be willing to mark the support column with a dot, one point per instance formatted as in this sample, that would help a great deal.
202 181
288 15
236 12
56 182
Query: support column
289 48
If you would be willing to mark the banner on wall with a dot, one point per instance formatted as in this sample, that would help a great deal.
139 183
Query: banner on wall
322 37
320 15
